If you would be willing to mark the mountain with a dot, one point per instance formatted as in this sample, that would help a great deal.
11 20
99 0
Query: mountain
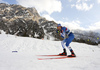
22 21
89 37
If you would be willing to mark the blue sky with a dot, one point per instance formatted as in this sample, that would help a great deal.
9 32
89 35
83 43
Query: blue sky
75 14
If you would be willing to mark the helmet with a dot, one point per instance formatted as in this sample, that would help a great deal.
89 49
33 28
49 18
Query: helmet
58 25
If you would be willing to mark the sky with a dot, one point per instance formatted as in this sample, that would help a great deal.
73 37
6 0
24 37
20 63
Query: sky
74 14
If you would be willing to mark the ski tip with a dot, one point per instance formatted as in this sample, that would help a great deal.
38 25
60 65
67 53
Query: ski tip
44 58
40 59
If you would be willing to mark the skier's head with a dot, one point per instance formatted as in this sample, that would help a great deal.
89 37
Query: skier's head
59 26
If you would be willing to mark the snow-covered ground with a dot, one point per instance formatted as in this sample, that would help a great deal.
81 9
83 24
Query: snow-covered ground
88 57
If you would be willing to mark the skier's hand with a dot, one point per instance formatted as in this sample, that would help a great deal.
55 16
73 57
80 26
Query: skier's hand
58 31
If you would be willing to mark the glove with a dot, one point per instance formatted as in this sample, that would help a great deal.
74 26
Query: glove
58 31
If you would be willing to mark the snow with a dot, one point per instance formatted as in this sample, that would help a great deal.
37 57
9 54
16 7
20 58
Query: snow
36 35
4 18
8 8
99 45
25 58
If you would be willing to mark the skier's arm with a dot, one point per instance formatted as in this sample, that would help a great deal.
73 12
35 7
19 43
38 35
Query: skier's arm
65 33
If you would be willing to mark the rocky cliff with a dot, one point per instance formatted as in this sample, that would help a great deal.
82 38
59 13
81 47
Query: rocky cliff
22 21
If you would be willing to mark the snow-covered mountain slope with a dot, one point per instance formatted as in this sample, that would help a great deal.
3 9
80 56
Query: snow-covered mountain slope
25 58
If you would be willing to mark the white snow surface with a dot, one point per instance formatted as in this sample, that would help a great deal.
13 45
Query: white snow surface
88 56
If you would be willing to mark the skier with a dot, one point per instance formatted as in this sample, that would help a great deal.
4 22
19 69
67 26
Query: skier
68 37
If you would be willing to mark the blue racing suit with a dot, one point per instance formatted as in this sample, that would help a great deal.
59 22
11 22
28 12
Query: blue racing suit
66 32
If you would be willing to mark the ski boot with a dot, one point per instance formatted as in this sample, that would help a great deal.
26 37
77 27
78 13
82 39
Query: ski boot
64 53
72 54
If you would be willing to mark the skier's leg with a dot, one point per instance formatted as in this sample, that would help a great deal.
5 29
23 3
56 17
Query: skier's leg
63 43
71 50
63 46
69 40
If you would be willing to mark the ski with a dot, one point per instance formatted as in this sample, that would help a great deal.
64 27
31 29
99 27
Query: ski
54 58
50 55
56 55
60 57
